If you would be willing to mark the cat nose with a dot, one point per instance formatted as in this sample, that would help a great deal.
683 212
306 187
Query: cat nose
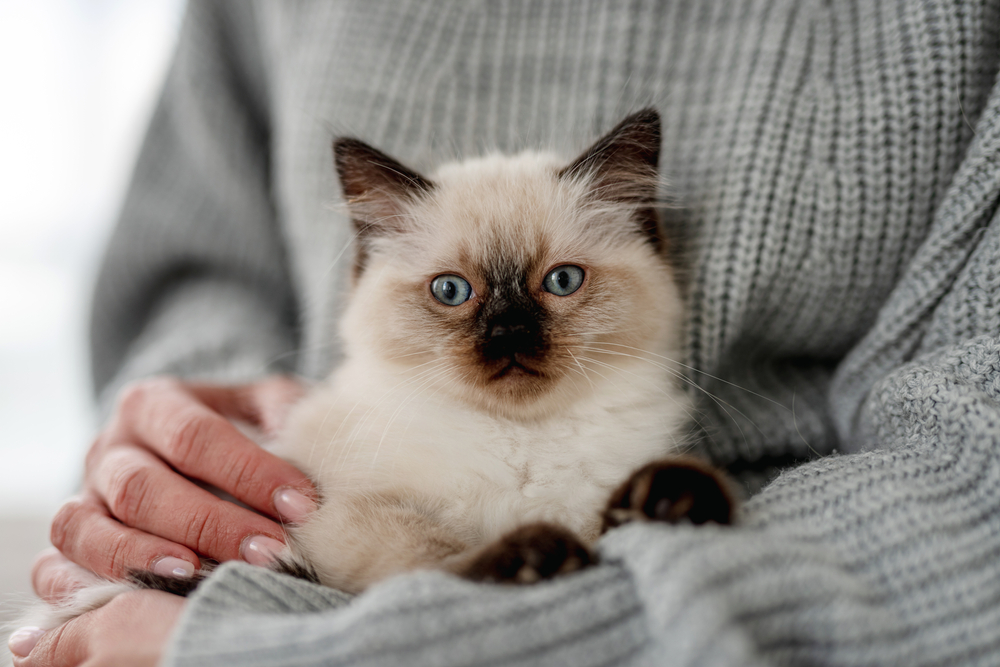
509 335
507 330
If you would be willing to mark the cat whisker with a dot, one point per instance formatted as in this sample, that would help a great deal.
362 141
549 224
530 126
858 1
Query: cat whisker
622 371
724 405
353 437
403 436
363 426
696 370
429 379
582 370
409 354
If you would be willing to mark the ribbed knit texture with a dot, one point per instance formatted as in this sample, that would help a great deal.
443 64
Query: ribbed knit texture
837 170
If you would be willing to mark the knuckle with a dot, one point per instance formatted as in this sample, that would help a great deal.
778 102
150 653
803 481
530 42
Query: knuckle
242 473
131 396
185 439
55 645
94 454
134 395
64 524
117 554
41 571
201 533
127 491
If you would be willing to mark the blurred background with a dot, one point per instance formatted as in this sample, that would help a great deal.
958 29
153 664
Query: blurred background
78 79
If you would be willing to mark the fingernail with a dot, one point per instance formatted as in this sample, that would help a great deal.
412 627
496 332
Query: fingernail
292 505
173 567
261 550
22 641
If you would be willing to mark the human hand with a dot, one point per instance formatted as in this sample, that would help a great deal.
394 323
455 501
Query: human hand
138 510
132 629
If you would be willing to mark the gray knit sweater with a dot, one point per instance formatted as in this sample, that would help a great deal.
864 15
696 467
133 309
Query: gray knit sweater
837 163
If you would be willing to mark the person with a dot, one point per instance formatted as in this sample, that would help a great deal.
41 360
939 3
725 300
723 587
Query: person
837 167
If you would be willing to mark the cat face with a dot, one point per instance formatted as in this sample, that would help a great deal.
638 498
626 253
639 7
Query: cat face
510 281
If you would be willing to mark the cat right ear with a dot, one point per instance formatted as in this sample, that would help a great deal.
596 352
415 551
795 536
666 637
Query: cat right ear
377 187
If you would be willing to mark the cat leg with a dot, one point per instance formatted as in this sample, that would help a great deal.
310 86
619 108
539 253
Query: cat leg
528 554
673 490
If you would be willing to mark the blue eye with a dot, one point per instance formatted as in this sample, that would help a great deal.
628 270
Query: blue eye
451 290
564 280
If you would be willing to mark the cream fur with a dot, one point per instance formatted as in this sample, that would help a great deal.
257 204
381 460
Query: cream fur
417 461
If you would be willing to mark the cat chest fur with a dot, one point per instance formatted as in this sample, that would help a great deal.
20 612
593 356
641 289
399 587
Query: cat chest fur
367 434
371 439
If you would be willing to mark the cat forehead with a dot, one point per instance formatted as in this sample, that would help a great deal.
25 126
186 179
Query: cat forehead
517 203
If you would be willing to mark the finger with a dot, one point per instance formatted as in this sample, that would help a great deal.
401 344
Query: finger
143 492
264 404
88 535
65 646
54 577
200 443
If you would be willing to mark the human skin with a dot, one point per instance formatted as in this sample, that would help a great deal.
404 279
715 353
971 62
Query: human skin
132 629
140 509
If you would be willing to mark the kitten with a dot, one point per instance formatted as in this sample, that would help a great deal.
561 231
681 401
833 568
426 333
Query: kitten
508 345
507 350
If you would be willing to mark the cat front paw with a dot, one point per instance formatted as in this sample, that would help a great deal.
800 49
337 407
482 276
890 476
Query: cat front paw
530 554
675 490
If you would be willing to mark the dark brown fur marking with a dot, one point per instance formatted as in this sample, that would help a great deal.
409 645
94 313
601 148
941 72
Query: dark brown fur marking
674 490
297 570
374 186
623 166
530 554
172 585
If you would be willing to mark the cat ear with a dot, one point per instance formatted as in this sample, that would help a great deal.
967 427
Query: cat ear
377 189
621 167
376 186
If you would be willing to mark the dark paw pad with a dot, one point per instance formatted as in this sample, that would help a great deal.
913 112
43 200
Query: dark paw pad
678 490
528 554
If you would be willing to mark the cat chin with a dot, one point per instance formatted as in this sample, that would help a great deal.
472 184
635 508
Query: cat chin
525 398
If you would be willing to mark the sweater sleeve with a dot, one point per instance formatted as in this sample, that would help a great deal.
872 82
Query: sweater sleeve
195 280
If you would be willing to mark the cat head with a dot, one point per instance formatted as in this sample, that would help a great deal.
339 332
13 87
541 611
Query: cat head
513 282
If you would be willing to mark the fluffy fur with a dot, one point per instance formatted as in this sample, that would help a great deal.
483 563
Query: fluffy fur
420 451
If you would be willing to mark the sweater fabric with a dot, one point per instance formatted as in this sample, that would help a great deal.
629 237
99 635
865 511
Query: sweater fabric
836 165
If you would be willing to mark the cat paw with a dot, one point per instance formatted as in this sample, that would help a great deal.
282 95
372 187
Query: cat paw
530 554
678 490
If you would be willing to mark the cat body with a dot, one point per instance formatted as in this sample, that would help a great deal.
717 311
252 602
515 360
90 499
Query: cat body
421 446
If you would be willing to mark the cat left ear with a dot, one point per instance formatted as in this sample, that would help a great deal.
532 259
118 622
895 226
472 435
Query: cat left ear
376 186
622 167
377 189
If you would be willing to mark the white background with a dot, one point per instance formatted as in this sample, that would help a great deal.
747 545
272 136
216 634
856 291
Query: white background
78 79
